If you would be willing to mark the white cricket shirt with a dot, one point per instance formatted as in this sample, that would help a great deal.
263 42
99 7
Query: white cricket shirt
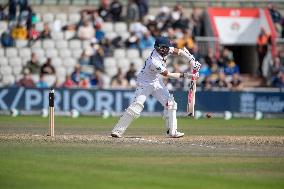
153 67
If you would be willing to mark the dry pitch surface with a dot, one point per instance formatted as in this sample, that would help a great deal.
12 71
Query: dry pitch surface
270 146
250 137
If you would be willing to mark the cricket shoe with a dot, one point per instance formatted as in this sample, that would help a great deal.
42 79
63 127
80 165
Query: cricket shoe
176 134
116 135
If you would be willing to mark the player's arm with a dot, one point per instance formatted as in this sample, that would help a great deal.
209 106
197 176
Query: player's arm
166 73
184 53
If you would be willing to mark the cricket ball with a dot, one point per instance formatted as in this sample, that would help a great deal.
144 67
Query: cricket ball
208 115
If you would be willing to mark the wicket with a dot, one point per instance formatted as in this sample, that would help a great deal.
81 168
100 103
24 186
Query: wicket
51 112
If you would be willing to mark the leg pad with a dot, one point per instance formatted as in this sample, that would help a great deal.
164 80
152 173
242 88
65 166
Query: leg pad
131 113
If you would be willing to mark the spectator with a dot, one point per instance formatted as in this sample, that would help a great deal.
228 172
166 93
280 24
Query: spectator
147 41
33 65
215 71
131 75
100 34
204 70
87 31
98 59
275 67
138 29
7 40
92 48
167 24
104 10
119 81
106 46
221 81
207 83
210 58
132 41
231 68
132 11
186 41
143 6
78 74
24 5
19 32
30 18
97 80
196 53
26 81
34 18
47 68
267 66
275 14
84 59
225 57
171 33
152 26
263 41
3 15
12 9
278 81
236 82
41 83
196 22
45 34
178 20
97 21
84 82
25 10
117 42
83 17
116 10
33 33
162 17
68 83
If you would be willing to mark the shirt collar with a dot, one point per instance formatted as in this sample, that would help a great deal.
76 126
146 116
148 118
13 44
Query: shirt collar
164 59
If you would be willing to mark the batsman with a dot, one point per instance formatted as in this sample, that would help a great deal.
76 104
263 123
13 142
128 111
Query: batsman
150 82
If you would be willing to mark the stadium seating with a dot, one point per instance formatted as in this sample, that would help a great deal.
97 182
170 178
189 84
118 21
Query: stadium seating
2 53
132 53
3 61
119 53
3 26
21 43
123 64
57 35
63 48
73 18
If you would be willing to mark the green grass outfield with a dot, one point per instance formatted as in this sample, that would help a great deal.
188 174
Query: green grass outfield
51 164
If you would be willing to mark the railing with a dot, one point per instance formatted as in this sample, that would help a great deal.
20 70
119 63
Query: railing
205 43
279 45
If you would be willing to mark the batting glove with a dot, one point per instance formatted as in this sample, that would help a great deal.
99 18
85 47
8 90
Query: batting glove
196 66
185 53
190 75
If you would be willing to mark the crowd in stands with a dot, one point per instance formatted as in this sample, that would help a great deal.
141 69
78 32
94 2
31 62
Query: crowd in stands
90 71
272 64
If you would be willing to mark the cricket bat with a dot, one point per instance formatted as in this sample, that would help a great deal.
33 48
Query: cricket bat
191 96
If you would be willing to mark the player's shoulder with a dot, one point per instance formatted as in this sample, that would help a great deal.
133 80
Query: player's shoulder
156 61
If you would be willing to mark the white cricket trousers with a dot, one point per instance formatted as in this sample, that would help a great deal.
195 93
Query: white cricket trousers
158 90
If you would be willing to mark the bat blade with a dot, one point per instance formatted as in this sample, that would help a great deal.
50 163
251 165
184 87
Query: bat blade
191 96
191 99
